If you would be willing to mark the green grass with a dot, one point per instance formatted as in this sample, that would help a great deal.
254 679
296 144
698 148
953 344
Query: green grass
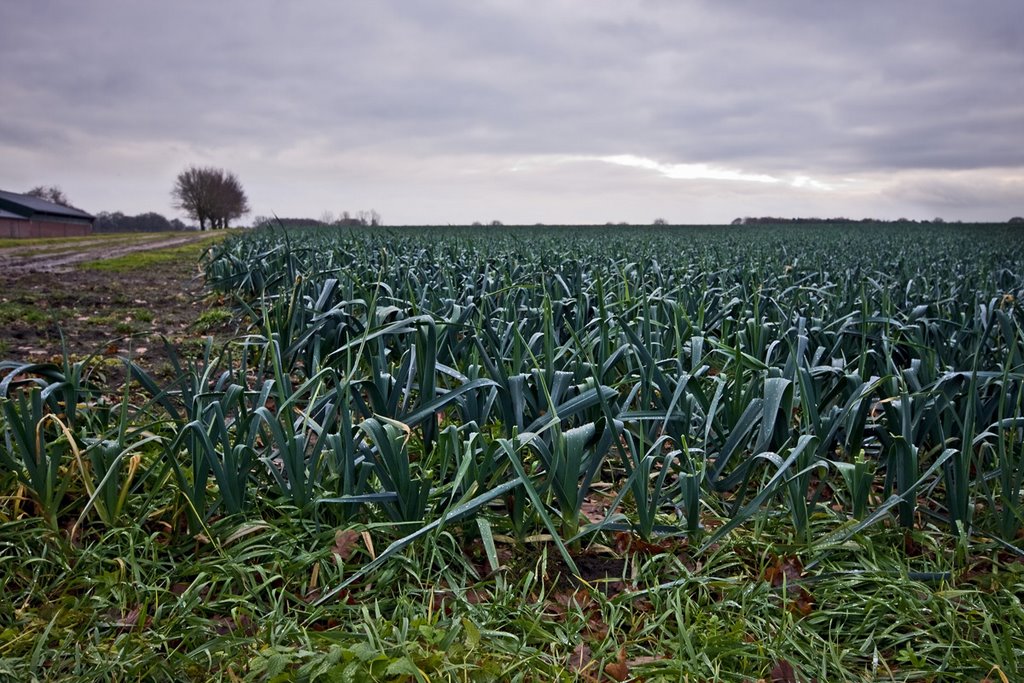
13 311
141 260
108 320
156 608
42 241
132 320
141 314
211 318
49 243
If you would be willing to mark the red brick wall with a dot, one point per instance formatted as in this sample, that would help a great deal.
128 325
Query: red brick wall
14 228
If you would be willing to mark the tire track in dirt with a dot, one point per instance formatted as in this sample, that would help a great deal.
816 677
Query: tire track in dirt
18 260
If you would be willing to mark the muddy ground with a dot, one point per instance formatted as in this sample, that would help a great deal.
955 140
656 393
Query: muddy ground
61 256
48 289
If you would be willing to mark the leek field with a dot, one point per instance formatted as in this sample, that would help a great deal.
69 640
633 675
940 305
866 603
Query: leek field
593 453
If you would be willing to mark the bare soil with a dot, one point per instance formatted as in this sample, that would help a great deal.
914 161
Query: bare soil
44 293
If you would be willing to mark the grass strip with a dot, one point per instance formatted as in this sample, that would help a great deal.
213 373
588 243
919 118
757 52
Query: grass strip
139 260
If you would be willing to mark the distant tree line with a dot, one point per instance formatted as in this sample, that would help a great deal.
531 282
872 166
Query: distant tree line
774 220
326 220
143 222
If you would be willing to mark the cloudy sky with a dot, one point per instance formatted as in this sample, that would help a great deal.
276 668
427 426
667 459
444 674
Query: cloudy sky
556 111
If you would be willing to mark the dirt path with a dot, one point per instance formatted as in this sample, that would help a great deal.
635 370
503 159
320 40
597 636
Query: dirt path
57 258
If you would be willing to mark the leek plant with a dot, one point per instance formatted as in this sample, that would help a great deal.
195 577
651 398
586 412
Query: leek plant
35 451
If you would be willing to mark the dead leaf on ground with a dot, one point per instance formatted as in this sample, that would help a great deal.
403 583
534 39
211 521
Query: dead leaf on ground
627 542
619 669
440 601
783 673
803 602
368 540
225 625
345 541
594 510
785 570
130 620
911 547
596 629
788 572
581 658
327 624
580 599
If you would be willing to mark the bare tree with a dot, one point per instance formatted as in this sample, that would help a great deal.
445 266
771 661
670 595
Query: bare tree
193 193
231 200
51 193
210 194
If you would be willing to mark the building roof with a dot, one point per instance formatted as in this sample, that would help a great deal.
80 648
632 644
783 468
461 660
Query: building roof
24 206
12 216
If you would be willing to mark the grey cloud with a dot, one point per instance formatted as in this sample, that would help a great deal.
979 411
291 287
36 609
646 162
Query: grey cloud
971 193
822 89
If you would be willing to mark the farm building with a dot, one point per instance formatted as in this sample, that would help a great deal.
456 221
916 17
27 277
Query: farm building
22 215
